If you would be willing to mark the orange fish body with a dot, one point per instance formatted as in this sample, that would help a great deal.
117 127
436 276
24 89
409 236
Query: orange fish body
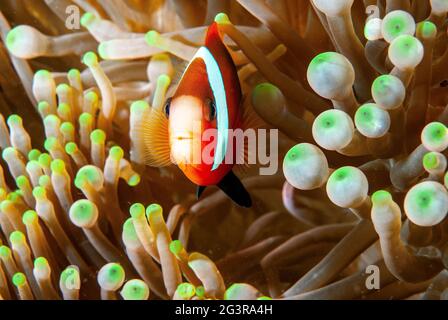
195 82
197 122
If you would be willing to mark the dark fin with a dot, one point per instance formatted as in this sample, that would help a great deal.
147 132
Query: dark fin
235 190
199 191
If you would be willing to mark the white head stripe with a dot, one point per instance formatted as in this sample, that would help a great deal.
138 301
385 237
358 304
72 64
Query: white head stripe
219 93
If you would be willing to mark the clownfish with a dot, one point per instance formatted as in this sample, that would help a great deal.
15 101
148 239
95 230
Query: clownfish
208 98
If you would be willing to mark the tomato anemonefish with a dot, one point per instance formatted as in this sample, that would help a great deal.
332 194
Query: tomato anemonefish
207 99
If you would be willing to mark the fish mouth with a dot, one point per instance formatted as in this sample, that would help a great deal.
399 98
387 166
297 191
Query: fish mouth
180 138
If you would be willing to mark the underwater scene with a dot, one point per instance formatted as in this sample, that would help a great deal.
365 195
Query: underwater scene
223 150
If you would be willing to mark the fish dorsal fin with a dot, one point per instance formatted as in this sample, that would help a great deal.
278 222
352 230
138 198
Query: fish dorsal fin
235 190
156 139
179 69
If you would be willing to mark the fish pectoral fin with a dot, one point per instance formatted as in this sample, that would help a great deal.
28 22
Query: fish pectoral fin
235 190
249 121
155 139
199 190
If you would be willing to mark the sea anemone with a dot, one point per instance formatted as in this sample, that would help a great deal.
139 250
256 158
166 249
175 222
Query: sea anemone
360 104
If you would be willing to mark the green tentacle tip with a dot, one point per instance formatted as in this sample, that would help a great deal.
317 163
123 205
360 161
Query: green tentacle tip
396 25
91 96
33 155
70 277
151 37
153 209
39 192
139 106
200 292
69 271
85 119
82 212
264 298
71 148
129 230
430 160
297 153
42 74
232 291
5 252
322 60
22 182
44 180
135 290
6 205
87 18
426 29
15 196
186 290
52 120
13 37
222 18
64 109
176 247
436 131
63 88
33 165
57 166
90 59
29 217
98 136
43 106
45 160
327 120
90 174
405 45
8 152
341 174
19 279
116 153
263 88
365 115
17 237
40 263
114 273
163 80
14 120
102 50
423 198
67 127
381 196
51 143
134 180
74 73
137 210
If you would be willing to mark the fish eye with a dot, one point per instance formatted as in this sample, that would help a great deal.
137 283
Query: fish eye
210 109
166 108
